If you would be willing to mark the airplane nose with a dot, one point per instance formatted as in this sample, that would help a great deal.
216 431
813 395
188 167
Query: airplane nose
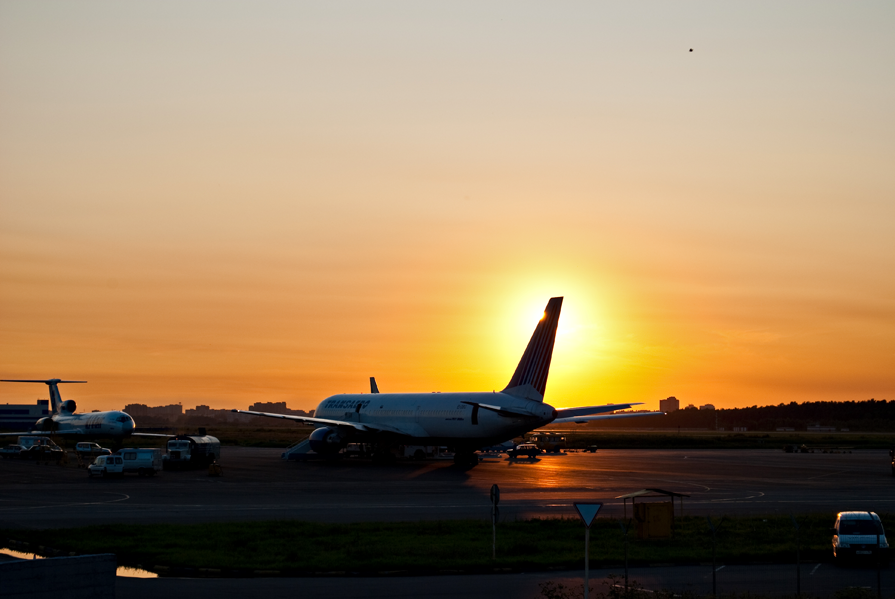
128 426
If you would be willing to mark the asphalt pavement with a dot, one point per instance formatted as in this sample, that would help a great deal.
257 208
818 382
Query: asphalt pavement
257 485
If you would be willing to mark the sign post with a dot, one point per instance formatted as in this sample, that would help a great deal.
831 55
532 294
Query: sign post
495 514
588 513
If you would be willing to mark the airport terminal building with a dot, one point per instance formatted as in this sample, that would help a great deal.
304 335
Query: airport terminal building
23 416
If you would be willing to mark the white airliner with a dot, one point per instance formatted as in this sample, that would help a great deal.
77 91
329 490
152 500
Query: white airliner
465 421
64 421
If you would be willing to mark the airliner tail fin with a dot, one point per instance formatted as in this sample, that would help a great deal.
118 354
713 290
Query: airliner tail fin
55 398
530 379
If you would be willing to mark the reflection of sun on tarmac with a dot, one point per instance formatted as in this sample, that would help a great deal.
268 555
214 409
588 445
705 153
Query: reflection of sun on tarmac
550 473
545 472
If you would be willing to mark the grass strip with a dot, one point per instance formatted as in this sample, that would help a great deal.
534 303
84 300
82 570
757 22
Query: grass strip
307 548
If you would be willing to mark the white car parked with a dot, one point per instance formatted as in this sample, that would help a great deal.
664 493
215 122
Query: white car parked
87 448
859 535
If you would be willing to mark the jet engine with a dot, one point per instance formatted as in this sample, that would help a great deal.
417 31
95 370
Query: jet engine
44 424
326 440
69 406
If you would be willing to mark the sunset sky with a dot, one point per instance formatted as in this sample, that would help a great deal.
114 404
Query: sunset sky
230 202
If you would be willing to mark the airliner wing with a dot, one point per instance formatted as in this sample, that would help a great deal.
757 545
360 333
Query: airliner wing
361 426
502 411
566 413
151 435
588 418
68 431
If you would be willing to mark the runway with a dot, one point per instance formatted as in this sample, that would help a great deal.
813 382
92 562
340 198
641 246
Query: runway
257 485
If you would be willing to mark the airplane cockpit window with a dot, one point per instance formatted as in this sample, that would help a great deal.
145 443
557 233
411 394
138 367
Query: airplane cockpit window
124 418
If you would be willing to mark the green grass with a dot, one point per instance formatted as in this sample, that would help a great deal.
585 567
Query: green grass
296 547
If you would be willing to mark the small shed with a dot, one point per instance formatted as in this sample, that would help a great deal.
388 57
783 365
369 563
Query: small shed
653 520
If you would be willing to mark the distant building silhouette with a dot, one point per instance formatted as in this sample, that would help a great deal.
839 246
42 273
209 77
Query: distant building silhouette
277 407
139 410
22 416
670 404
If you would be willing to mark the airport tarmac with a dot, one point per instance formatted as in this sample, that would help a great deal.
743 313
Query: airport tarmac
258 485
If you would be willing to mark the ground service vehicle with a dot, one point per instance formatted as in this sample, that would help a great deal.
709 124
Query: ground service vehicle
11 451
524 449
41 449
549 442
106 465
86 449
43 453
185 451
27 442
421 452
859 535
144 462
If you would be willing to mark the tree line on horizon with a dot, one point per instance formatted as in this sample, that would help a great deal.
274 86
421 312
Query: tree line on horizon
865 416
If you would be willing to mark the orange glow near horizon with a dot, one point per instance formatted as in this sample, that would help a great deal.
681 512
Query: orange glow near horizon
276 203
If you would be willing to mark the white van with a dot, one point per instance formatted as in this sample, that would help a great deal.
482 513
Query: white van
859 535
145 462
106 465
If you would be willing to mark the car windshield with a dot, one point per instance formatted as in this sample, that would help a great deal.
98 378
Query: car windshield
860 527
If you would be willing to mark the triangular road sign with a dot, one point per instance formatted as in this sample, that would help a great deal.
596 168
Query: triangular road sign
588 511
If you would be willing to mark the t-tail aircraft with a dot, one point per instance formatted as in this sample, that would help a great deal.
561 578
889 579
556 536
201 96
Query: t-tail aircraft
92 425
464 421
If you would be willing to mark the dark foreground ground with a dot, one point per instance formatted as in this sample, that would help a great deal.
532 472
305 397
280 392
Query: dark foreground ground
257 485
817 580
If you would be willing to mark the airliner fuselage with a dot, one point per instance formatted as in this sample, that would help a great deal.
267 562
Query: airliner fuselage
64 421
441 418
116 425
